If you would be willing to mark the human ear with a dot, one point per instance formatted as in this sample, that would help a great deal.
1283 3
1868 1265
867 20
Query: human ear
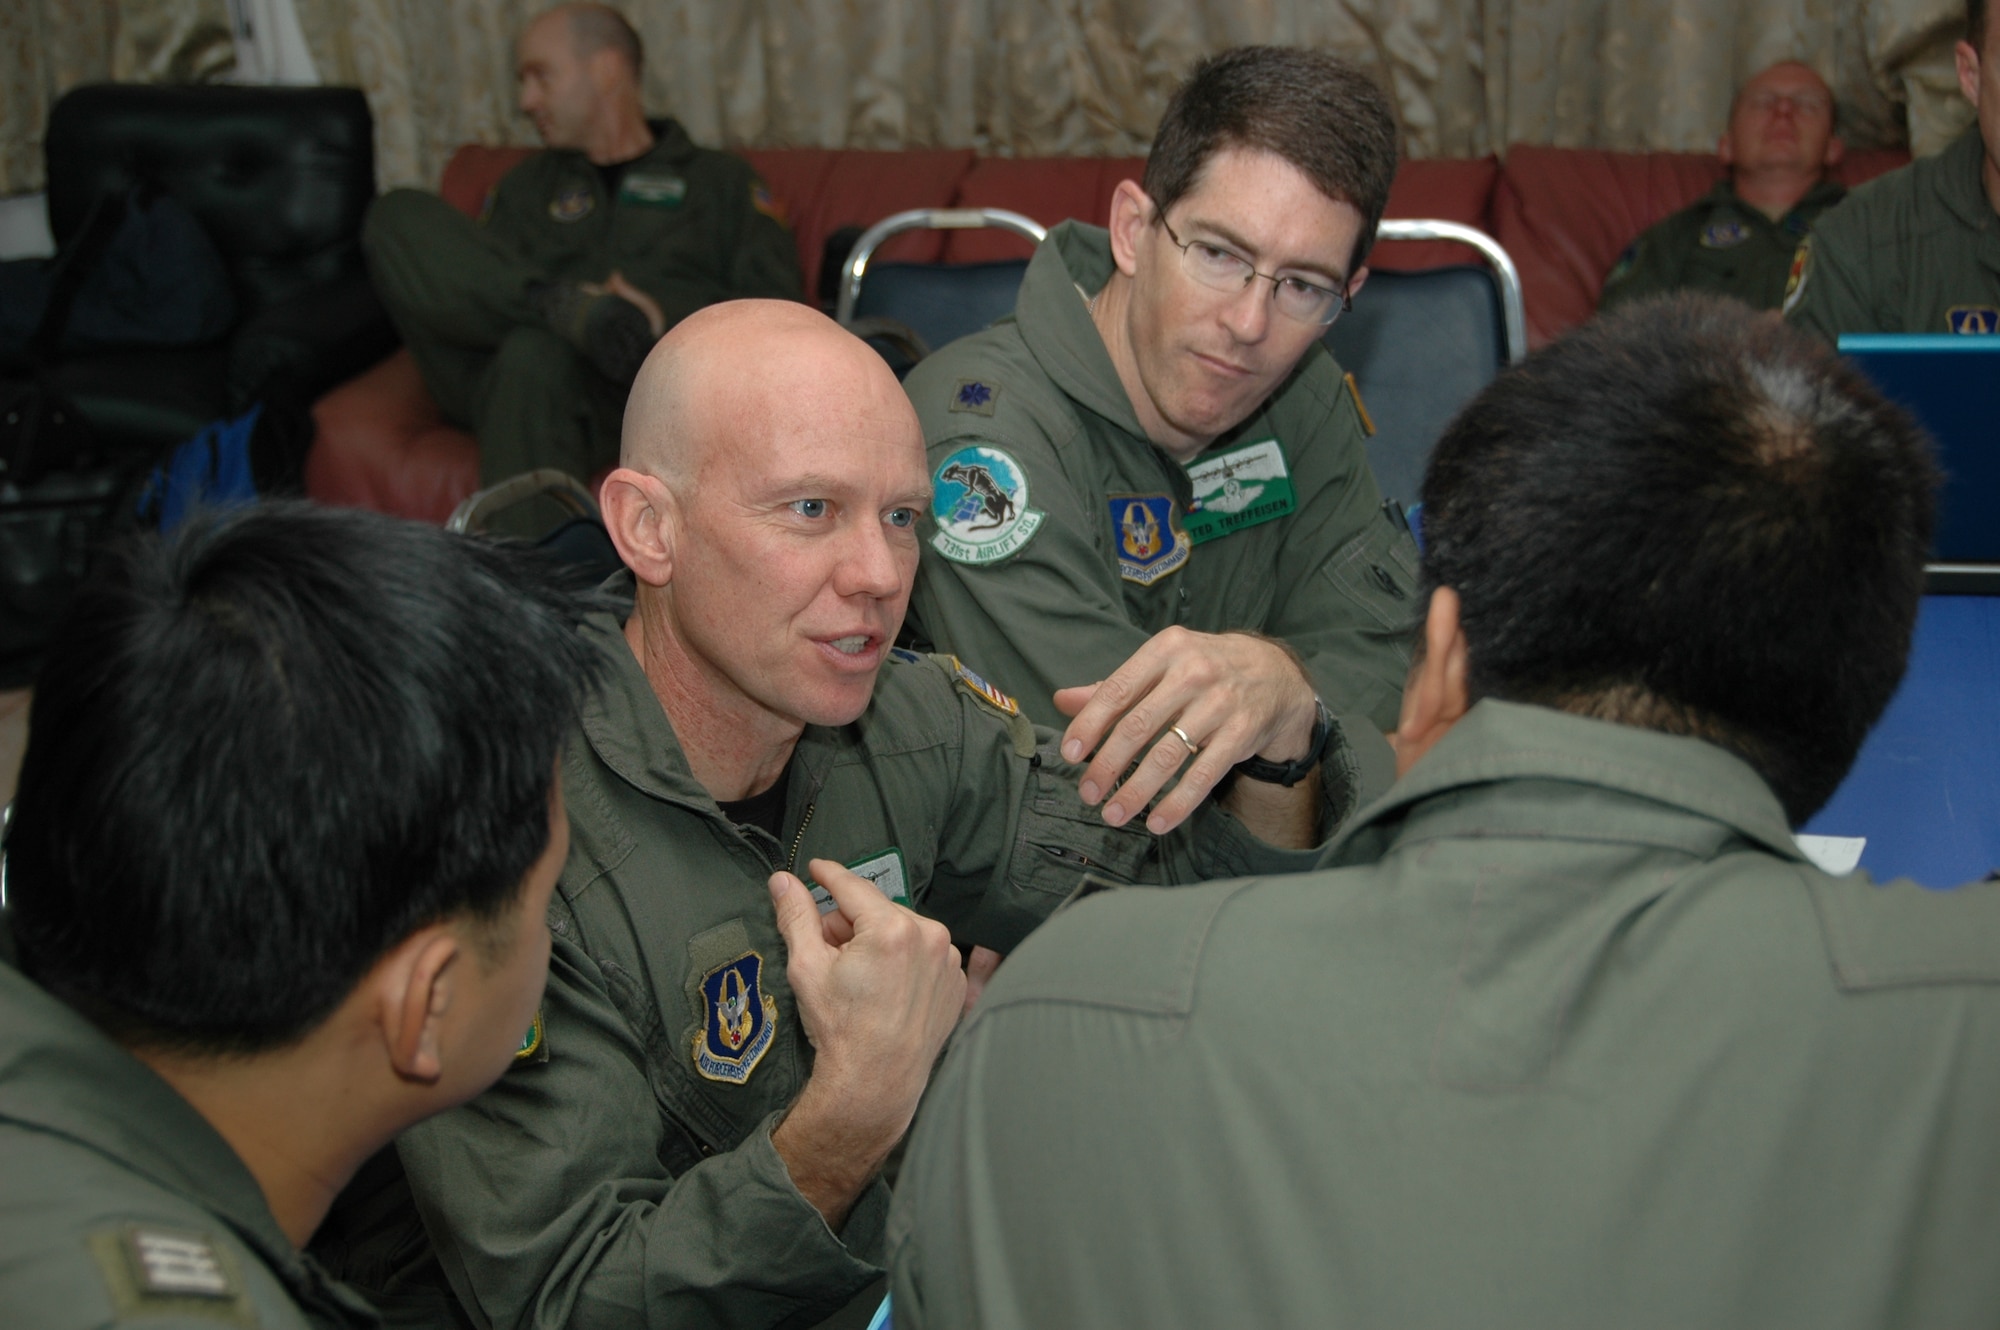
1966 56
640 516
418 977
1131 216
1438 694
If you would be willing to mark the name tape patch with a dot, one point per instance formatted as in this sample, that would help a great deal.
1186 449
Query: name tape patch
1238 489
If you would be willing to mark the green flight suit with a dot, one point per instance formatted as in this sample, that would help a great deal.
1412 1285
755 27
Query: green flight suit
1718 244
120 1205
1059 537
1568 1034
1913 251
689 226
624 1173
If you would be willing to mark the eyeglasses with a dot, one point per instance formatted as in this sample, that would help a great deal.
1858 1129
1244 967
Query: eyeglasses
1800 103
1220 270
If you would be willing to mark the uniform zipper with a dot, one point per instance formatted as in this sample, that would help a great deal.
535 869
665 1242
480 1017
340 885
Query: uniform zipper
792 864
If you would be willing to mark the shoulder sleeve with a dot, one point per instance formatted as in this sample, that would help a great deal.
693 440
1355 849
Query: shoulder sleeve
764 256
550 1206
1032 603
1650 265
1351 608
1827 291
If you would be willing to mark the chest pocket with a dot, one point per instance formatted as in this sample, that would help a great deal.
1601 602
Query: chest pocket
1377 571
681 1145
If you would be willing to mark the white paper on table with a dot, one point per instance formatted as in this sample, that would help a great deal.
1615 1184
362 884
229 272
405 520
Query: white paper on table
1838 855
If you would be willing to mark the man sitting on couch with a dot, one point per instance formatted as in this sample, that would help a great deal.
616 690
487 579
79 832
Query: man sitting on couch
530 324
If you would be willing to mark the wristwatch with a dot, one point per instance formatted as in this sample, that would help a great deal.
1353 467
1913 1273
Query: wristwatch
1291 773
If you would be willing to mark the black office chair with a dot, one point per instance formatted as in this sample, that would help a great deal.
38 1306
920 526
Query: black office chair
1421 344
908 310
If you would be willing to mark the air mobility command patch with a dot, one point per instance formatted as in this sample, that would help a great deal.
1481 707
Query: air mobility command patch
573 202
163 1272
1972 319
737 1023
1150 540
1724 235
535 1043
979 499
1795 281
652 189
974 396
1238 489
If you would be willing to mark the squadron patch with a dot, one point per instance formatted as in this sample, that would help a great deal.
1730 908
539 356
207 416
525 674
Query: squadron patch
1150 540
573 202
979 499
1724 235
534 1044
653 189
974 396
737 1023
1973 319
1237 489
1795 281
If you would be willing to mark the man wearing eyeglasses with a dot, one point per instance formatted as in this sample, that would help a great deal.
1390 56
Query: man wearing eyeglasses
1152 515
1739 238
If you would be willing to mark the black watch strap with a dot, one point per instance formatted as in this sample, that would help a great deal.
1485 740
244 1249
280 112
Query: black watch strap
1289 774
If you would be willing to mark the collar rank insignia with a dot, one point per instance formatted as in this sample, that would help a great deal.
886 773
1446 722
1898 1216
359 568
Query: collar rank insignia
973 396
573 202
1973 319
905 655
979 688
737 1023
1148 532
1724 235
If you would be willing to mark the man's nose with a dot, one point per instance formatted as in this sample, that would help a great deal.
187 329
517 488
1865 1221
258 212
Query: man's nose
870 566
1248 313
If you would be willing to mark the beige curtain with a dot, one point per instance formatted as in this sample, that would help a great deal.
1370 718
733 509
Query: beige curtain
1036 77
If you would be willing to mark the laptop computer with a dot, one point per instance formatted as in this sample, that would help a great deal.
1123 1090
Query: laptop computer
1951 383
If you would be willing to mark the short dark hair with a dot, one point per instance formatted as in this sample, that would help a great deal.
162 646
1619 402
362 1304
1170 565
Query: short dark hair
594 28
1689 517
264 751
1317 111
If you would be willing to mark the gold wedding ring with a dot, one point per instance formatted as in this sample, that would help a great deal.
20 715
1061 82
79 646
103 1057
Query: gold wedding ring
1181 734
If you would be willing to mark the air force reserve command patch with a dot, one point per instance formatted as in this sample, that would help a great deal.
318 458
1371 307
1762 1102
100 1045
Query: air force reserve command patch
1973 319
1238 489
979 498
1149 537
738 1020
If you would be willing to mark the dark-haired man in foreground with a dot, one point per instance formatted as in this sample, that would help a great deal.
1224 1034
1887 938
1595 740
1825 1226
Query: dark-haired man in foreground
278 867
1155 477
1567 1032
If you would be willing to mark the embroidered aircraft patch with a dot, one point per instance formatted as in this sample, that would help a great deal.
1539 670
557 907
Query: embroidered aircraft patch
1237 489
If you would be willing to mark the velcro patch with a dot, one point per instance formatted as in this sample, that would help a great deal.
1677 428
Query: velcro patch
738 1020
983 690
156 1271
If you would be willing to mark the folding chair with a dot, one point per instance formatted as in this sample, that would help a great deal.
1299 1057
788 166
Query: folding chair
911 309
1421 344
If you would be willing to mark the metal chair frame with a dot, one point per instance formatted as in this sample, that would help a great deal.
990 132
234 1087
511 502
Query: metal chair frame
476 510
919 219
1513 313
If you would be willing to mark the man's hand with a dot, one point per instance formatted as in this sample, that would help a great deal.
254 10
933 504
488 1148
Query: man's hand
656 318
979 968
1232 695
879 989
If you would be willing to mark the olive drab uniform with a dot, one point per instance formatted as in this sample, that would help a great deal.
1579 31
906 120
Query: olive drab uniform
1062 539
1913 251
1718 244
1568 1033
120 1205
688 226
623 1171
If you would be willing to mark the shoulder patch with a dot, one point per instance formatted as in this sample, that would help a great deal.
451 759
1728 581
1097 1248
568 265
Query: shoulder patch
738 1020
1972 319
983 690
156 1271
762 201
974 395
1237 489
535 1043
1151 543
1795 281
1724 235
979 499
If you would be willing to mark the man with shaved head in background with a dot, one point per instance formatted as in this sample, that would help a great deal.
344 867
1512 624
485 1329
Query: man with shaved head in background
530 324
724 1067
1739 238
